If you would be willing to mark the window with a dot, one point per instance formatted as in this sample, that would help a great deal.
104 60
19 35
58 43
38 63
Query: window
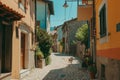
103 21
23 4
118 27
32 38
17 32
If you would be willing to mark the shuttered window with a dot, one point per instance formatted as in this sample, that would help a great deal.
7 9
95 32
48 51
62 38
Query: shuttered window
103 21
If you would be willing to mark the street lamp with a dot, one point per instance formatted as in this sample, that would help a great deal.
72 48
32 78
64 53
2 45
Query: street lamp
66 5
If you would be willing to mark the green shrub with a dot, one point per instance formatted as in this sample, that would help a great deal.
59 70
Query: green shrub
50 50
92 68
82 34
47 60
45 41
39 53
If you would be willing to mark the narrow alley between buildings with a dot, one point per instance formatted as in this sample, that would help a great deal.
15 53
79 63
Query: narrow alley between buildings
59 69
59 40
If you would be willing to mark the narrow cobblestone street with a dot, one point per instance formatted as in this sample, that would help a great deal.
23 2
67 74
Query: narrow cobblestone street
59 69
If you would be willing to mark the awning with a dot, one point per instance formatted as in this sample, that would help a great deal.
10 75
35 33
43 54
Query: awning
7 13
51 6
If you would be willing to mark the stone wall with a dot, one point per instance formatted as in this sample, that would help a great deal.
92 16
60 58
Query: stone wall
73 27
112 68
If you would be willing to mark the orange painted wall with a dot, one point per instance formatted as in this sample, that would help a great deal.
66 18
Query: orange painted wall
84 12
111 48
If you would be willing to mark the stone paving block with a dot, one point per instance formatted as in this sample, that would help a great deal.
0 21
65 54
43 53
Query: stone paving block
59 69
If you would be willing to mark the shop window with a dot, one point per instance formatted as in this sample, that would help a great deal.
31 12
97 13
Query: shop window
103 21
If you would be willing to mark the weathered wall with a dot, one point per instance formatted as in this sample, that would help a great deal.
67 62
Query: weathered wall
72 29
112 68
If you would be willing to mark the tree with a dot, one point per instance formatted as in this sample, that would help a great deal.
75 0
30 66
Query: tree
82 34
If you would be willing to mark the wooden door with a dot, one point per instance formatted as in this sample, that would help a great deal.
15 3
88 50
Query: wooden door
22 50
0 48
5 48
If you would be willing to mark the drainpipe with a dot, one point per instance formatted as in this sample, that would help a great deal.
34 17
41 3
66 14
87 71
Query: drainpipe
35 31
45 16
0 53
94 28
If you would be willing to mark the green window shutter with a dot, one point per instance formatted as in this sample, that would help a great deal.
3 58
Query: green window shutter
103 22
104 19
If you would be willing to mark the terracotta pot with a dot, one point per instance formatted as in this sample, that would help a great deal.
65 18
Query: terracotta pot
92 75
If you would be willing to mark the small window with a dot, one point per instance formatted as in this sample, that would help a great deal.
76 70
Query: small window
103 21
17 32
118 27
23 4
32 38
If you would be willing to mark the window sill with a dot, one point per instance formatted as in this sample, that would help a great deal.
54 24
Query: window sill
103 35
4 75
104 39
22 7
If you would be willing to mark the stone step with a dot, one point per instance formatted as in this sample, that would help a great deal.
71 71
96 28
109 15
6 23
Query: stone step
24 73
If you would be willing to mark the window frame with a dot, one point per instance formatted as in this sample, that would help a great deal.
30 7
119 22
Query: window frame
24 5
102 19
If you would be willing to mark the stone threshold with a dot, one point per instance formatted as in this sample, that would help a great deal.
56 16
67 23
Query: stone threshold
24 72
4 75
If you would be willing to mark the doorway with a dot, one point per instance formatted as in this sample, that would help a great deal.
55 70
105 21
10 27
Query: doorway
6 48
23 50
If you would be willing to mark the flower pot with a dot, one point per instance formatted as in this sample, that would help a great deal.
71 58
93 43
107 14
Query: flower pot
92 75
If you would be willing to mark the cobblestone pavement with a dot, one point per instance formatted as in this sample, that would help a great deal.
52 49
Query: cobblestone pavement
59 69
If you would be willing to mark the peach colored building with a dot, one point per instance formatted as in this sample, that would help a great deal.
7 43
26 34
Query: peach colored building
17 24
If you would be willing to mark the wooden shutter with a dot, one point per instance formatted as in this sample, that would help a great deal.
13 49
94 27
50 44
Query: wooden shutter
104 9
103 21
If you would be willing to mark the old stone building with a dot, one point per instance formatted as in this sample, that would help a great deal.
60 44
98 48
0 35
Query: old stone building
69 30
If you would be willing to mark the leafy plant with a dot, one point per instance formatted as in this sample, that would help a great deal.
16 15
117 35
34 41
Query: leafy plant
82 34
45 41
47 60
39 53
92 68
62 43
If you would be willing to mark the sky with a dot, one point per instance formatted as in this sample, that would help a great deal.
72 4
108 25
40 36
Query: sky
61 14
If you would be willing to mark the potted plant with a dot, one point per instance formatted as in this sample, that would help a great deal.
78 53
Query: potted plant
40 57
92 70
